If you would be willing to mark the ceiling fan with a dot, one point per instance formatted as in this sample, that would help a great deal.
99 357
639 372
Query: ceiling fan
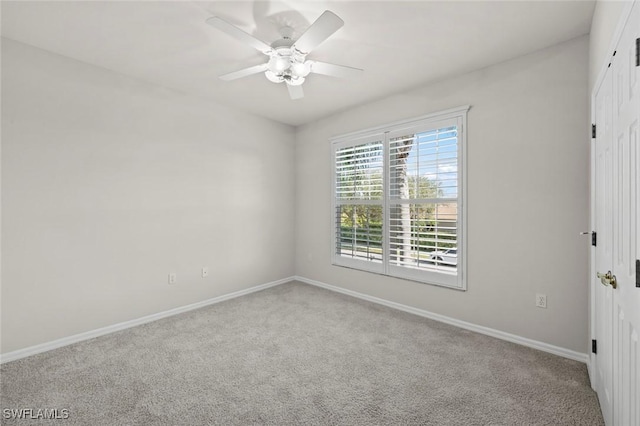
287 57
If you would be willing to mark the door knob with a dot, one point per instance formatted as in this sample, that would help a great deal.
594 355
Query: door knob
608 279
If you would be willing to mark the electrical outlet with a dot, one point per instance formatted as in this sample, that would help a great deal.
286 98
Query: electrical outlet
172 278
205 272
541 300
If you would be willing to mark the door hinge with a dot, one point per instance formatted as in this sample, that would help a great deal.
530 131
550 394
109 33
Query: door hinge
638 52
593 131
594 346
637 273
594 238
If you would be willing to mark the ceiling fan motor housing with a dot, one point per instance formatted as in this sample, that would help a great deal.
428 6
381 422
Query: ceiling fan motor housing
285 62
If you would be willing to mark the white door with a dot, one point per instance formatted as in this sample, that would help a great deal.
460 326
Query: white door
604 252
617 207
626 298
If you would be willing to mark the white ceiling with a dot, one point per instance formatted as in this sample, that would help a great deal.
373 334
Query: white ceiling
399 44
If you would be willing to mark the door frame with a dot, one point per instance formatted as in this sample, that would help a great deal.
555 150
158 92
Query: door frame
615 40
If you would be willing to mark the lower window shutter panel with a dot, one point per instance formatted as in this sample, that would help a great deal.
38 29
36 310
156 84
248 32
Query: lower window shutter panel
359 231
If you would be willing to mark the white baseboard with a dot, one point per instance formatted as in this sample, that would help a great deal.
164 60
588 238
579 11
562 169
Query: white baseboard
32 350
545 347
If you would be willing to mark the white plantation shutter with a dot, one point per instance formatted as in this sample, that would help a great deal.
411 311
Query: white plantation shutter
398 205
423 200
359 194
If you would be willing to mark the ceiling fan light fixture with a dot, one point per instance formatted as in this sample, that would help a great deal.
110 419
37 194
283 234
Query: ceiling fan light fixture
300 69
278 63
273 77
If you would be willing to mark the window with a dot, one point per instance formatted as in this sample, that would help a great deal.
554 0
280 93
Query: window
398 199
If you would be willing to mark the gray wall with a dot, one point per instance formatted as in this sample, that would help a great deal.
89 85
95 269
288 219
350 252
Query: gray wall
527 196
109 184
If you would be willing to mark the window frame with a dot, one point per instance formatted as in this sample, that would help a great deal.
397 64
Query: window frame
382 134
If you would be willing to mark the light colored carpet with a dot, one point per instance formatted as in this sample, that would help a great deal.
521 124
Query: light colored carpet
297 354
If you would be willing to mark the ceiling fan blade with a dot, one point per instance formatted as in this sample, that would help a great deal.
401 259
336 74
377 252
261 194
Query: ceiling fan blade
327 24
295 92
243 72
334 70
239 34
